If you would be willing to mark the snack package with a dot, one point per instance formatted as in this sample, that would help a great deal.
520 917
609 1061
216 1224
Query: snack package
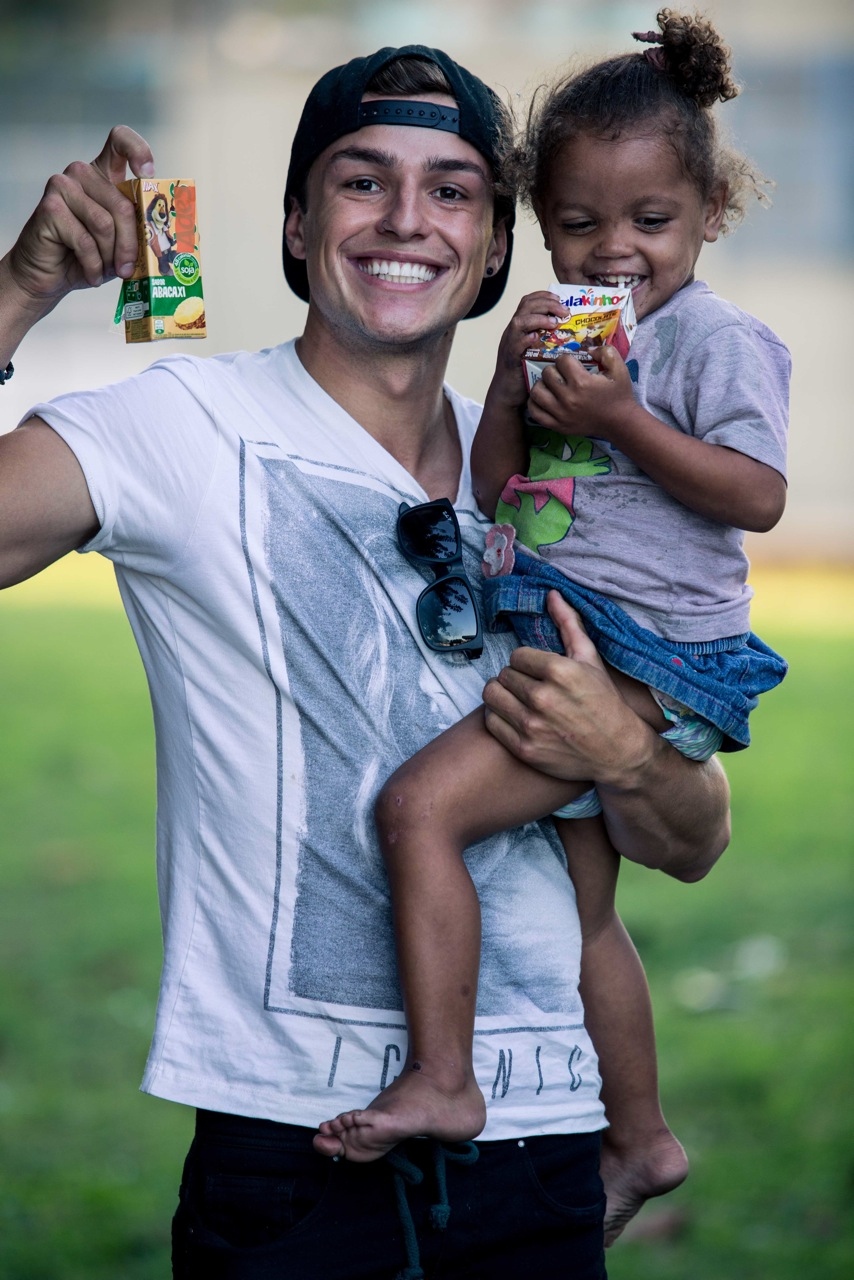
598 317
163 298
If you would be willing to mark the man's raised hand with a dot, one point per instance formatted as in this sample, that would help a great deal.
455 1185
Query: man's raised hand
83 230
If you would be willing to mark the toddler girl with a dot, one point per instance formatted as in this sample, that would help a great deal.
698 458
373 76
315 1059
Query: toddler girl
640 481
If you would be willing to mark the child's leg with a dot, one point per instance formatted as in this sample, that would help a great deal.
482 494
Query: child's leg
459 789
640 1156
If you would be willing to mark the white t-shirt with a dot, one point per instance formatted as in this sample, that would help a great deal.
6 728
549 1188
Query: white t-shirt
251 522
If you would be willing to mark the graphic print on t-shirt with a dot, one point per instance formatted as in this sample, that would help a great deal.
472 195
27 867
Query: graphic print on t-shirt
541 505
354 698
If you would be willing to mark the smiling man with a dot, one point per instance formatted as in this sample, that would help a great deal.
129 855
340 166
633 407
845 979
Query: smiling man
249 503
400 237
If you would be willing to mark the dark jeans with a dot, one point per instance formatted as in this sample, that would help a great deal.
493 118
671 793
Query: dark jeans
257 1203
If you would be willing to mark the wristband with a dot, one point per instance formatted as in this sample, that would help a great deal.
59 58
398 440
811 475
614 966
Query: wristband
5 374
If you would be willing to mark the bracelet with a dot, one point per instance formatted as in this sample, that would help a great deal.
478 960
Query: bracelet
5 374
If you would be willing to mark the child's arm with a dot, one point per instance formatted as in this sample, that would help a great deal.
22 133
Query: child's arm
713 480
499 449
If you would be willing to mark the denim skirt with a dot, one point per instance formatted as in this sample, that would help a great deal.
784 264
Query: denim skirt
718 679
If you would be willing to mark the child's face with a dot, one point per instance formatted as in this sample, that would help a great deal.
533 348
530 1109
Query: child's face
623 213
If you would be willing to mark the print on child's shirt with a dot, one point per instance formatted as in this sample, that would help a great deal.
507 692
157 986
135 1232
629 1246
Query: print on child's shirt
541 505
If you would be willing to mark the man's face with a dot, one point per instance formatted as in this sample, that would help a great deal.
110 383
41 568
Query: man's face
397 233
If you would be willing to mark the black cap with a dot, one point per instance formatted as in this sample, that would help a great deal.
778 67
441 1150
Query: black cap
334 108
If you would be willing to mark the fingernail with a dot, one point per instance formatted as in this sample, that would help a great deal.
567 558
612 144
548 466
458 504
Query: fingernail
146 170
126 270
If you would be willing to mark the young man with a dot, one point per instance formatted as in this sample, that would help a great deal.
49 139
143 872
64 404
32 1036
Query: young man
249 503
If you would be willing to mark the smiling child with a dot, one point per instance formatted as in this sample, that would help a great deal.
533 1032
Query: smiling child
657 464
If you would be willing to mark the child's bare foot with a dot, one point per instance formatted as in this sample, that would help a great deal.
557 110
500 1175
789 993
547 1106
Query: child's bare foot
634 1175
412 1106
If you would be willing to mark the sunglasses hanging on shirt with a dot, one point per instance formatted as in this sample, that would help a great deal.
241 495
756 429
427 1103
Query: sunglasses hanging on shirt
446 611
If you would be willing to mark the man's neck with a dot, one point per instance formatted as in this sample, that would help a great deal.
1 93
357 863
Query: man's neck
397 397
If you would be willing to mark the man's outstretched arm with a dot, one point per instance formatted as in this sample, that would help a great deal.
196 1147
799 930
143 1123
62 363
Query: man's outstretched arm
45 508
564 716
82 232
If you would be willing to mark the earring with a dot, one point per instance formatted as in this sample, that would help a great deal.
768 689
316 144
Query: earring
490 271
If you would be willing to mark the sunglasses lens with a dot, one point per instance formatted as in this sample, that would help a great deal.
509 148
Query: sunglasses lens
430 532
447 614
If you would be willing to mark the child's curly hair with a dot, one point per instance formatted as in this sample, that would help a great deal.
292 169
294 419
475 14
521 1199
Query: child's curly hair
675 84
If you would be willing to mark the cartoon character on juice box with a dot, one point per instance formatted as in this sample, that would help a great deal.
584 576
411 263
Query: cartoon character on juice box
160 239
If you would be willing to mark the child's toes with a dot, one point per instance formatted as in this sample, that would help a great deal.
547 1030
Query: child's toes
328 1145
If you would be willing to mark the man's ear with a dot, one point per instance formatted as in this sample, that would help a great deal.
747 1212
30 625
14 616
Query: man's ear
497 250
715 210
295 230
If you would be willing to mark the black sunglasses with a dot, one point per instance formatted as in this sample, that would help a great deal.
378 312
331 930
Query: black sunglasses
446 611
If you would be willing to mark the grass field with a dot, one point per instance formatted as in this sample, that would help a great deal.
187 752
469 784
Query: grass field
750 970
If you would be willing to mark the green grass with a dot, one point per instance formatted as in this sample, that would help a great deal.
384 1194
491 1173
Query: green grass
749 969
88 1166
751 977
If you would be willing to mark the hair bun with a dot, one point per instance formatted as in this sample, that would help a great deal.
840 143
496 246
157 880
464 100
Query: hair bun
692 54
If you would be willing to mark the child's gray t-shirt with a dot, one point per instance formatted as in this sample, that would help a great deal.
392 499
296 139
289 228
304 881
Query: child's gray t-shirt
708 369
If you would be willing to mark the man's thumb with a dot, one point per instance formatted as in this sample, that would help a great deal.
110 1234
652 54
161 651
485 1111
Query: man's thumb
576 642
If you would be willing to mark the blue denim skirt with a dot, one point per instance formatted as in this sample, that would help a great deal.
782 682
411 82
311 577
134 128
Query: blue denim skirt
718 679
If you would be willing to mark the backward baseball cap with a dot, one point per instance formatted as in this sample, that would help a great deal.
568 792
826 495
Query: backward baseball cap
334 108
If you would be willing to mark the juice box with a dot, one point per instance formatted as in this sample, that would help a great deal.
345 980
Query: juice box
163 298
598 316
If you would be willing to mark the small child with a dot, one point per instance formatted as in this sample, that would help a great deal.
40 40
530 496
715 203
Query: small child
641 481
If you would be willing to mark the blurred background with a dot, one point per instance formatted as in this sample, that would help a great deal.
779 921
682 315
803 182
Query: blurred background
751 969
217 87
